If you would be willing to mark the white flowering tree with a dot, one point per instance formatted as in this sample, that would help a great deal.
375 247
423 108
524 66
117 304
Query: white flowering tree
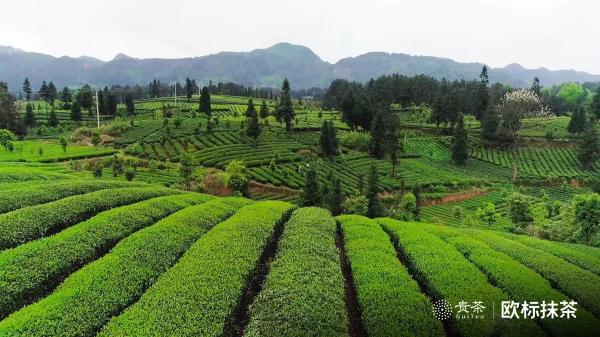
515 106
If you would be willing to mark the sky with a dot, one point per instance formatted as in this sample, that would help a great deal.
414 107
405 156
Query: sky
557 34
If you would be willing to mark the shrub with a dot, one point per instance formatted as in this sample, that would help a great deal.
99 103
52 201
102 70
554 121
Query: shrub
209 278
391 302
33 222
306 273
32 270
89 297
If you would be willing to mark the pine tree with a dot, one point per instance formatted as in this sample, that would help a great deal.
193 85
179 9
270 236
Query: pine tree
578 121
393 144
43 92
205 102
76 112
53 118
52 92
334 145
65 95
416 191
589 149
286 107
595 106
253 128
460 143
483 98
111 104
264 110
27 89
311 195
335 197
250 110
536 87
29 118
130 106
189 89
324 142
377 144
85 97
374 207
489 124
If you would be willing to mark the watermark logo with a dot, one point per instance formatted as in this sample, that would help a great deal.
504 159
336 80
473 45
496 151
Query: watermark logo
442 310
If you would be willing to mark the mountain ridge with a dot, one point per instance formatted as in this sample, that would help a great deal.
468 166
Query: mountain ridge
259 67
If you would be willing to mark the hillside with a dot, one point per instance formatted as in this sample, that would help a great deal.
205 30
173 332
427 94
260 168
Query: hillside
155 261
261 67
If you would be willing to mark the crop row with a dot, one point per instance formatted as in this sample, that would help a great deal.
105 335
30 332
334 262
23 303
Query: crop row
541 162
12 199
31 270
520 282
390 300
566 277
447 275
199 295
258 155
305 274
89 297
33 222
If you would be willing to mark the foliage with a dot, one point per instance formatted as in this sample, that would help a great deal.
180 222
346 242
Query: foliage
487 213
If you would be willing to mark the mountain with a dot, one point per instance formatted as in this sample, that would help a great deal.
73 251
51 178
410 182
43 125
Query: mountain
260 67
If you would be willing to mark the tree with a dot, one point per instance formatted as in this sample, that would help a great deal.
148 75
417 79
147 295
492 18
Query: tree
111 104
117 165
357 204
393 144
253 128
578 121
9 119
250 109
595 106
43 92
286 108
587 218
5 137
335 197
416 191
311 195
52 93
519 211
53 118
328 140
483 96
536 87
489 124
63 143
189 89
85 97
374 206
27 88
65 95
130 106
205 102
377 144
186 170
237 178
76 112
264 110
488 214
408 205
96 139
589 148
29 118
460 142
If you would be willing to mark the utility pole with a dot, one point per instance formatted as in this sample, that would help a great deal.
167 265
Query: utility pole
97 110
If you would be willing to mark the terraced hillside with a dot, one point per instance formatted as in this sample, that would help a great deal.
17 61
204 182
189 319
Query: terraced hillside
85 258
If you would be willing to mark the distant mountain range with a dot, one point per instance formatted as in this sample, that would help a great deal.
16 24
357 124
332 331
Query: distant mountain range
260 67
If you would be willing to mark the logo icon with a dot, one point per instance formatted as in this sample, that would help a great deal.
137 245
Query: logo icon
442 310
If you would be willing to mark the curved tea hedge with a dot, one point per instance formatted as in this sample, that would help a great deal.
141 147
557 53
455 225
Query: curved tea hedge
33 222
446 274
33 269
201 292
522 283
89 297
390 300
15 198
303 294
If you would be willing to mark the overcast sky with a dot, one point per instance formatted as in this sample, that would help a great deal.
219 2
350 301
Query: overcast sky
557 34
